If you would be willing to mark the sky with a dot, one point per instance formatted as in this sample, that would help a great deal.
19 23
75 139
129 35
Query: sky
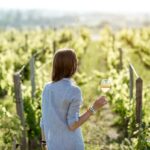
115 6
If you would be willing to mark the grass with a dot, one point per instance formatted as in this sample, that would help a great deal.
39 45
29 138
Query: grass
93 59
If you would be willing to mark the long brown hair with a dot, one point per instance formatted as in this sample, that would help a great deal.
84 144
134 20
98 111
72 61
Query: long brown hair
64 64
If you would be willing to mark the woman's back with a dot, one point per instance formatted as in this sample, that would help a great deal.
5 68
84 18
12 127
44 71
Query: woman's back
60 106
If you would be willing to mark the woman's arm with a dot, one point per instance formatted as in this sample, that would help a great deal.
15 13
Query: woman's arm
85 116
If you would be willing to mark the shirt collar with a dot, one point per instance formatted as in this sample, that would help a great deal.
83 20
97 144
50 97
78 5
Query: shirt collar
67 79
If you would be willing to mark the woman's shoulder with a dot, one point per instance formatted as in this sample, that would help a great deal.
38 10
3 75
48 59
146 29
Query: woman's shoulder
75 89
76 93
47 85
51 84
73 86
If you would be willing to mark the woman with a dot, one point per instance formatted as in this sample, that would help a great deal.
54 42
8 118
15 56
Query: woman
61 100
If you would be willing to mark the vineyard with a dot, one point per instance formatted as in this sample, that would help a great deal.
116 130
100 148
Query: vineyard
26 56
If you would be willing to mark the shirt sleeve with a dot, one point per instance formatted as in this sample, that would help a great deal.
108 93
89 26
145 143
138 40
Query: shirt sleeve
42 107
74 107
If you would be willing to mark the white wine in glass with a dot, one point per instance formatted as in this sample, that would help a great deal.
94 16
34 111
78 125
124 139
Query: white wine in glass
105 85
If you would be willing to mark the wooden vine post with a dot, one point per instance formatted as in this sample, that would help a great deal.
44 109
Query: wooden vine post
54 43
19 106
26 42
32 76
131 82
54 47
139 90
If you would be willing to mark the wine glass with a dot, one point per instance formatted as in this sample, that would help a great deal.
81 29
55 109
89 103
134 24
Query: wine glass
105 85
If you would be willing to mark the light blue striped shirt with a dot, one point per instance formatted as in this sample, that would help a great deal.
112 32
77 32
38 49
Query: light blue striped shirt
61 103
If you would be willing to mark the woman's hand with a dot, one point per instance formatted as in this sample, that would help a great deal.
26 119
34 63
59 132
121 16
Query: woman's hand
101 101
